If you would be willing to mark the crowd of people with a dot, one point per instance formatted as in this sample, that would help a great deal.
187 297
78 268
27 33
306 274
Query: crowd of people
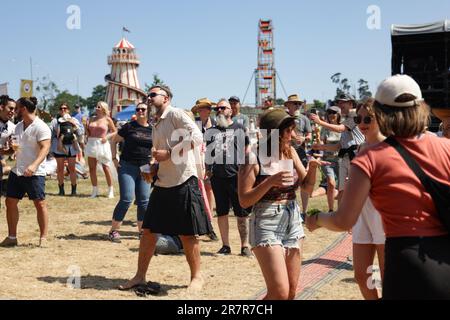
389 174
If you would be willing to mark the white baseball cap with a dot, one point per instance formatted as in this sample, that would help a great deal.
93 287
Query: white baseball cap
393 87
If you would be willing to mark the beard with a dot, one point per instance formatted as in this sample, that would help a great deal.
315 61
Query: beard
222 121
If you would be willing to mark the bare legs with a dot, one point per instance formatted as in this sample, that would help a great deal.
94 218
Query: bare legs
363 257
281 270
12 216
147 247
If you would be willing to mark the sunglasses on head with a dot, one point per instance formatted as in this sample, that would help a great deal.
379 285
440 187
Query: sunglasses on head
141 109
331 112
154 94
359 119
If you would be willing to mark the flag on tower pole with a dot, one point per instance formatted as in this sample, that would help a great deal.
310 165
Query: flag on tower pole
26 88
126 30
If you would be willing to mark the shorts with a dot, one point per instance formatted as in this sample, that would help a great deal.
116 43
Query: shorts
66 156
19 185
226 195
369 227
178 210
344 171
331 171
98 150
273 224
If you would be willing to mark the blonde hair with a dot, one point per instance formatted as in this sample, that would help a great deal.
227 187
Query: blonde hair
104 106
400 121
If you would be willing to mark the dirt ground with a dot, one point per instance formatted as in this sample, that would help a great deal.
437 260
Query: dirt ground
78 244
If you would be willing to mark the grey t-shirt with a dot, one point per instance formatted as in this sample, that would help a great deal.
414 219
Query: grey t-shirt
243 120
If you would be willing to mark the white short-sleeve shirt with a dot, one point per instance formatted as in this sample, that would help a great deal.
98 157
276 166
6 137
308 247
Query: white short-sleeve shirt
29 138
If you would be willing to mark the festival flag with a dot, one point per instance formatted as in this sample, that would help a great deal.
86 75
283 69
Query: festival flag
3 88
126 30
26 88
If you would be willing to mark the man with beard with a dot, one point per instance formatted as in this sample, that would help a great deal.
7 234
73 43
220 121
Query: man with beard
226 148
176 206
32 144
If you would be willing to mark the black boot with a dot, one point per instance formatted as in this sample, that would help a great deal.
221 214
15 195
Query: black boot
61 190
74 190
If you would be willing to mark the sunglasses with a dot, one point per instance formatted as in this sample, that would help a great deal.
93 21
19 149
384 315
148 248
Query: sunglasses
141 109
331 112
221 108
154 94
62 108
359 119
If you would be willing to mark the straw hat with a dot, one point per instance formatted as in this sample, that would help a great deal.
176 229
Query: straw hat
202 103
441 113
293 98
274 118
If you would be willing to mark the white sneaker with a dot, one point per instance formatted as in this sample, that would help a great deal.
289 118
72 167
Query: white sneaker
94 192
111 193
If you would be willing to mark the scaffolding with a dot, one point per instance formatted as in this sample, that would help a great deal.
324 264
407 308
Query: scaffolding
265 74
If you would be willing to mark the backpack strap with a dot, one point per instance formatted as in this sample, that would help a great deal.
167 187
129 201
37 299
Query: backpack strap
412 164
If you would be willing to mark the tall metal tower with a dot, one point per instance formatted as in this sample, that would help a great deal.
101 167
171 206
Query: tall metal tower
265 74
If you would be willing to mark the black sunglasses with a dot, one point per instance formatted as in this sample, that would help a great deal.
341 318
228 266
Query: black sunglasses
221 108
331 112
141 109
359 119
154 94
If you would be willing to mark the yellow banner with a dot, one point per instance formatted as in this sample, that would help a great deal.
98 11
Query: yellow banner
26 88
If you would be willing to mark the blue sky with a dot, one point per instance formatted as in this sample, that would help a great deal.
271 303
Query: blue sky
206 48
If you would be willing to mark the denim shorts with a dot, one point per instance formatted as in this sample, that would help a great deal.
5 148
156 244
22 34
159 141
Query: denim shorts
18 186
273 224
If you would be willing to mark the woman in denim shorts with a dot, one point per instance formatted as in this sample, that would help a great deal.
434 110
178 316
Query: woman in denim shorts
276 230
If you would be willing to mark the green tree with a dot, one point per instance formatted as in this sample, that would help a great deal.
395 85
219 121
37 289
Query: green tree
156 81
46 91
319 104
363 89
343 85
279 102
98 94
65 97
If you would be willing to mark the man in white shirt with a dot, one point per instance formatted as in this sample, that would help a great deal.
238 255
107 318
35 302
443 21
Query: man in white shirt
176 206
32 144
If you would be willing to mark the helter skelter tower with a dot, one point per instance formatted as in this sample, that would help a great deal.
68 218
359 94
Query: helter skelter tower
265 73
123 83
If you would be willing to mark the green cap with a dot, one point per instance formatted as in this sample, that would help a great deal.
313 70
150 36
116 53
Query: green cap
274 118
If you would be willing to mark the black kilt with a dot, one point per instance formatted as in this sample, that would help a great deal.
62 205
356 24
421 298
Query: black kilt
178 210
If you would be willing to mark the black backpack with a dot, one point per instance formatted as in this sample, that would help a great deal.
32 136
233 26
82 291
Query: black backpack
66 130
439 192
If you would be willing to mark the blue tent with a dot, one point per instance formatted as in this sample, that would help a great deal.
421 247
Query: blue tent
126 114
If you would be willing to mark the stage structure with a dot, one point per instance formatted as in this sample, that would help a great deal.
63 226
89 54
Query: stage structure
123 82
265 74
422 51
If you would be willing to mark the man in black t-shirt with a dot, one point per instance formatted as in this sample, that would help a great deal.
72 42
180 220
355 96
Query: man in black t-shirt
226 148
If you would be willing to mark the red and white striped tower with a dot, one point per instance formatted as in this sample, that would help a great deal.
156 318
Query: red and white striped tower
123 83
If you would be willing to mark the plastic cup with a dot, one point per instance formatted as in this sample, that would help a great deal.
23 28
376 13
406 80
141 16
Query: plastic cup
145 168
287 166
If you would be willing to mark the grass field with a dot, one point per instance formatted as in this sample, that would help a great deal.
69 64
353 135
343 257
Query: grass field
78 245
